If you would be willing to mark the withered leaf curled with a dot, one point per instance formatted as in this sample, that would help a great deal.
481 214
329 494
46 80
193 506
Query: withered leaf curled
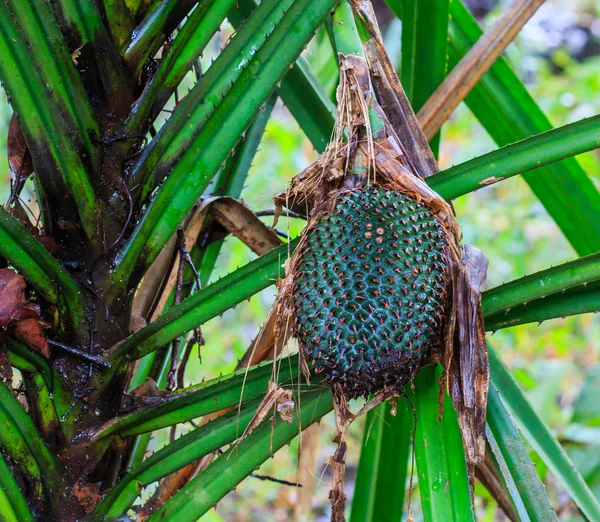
18 318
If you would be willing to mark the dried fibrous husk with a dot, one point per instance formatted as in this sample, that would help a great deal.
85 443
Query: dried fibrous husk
394 157
357 158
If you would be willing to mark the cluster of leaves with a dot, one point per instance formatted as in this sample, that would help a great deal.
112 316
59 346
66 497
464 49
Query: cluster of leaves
87 82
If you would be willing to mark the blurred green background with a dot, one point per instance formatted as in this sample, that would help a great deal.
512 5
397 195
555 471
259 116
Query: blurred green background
558 56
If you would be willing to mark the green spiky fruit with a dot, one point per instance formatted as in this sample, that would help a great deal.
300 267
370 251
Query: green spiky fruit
370 290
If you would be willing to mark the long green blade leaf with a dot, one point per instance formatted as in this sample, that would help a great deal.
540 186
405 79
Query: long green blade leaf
121 20
146 39
225 473
572 302
14 418
382 470
163 153
441 466
300 91
542 284
188 448
13 505
527 481
309 104
51 129
518 158
424 50
48 51
189 43
34 262
540 438
232 116
198 400
205 305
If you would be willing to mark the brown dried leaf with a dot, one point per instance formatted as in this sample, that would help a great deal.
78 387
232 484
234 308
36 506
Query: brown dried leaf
31 333
275 398
457 85
160 279
88 495
336 493
17 211
17 317
240 221
392 98
19 159
48 242
468 369
148 389
12 299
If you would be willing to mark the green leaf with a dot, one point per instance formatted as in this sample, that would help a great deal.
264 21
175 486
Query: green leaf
182 128
345 33
14 446
82 21
30 358
540 438
382 470
198 400
187 46
37 265
518 158
424 50
48 52
309 104
24 358
186 449
121 20
17 431
300 91
571 302
231 179
147 37
206 304
439 454
43 410
513 451
508 482
541 284
13 505
228 470
506 110
232 116
567 289
54 112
